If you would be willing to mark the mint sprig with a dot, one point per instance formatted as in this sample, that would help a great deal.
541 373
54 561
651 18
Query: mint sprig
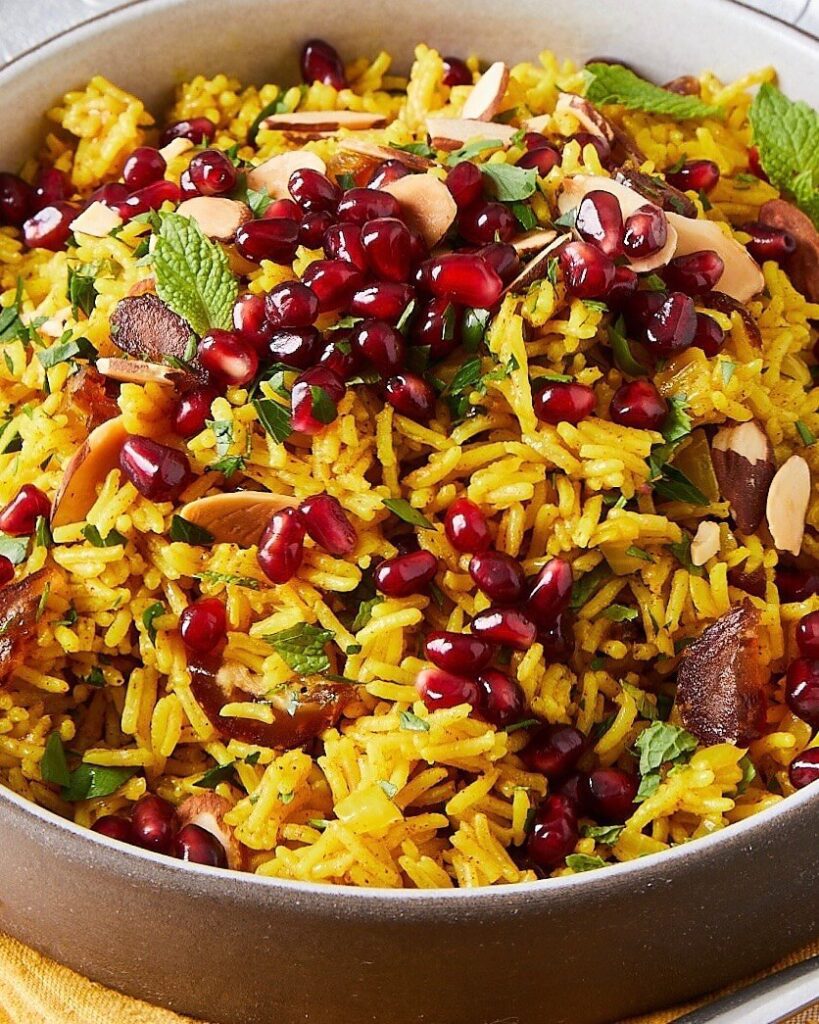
613 83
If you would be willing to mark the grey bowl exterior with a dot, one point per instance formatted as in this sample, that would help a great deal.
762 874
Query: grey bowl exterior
237 949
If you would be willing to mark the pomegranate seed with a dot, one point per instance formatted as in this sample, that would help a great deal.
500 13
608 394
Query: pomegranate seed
755 164
804 768
50 227
802 690
694 176
193 411
456 72
487 222
600 145
695 272
327 523
339 357
587 271
284 209
343 242
388 246
796 584
600 221
149 198
460 653
386 172
186 186
281 547
769 243
16 199
158 472
502 700
507 626
6 570
228 357
807 635
384 300
313 228
154 823
541 158
466 527
564 402
672 328
439 689
575 787
640 310
334 282
466 279
274 240
499 576
114 827
411 396
550 592
623 288
291 304
553 750
535 140
198 130
295 346
404 543
405 574
465 183
359 205
203 625
646 232
143 167
249 320
557 638
19 517
380 344
638 404
314 398
554 833
212 173
198 846
419 251
438 327
610 795
708 335
320 62
51 187
503 258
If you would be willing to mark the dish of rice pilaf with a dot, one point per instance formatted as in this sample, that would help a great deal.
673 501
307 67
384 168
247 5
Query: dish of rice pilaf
407 481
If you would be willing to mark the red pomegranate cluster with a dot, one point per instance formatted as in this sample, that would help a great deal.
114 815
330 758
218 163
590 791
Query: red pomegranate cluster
802 696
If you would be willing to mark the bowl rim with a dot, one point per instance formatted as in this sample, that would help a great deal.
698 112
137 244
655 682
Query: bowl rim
746 830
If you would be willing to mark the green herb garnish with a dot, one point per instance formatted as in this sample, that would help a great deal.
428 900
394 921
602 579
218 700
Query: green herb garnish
613 83
302 647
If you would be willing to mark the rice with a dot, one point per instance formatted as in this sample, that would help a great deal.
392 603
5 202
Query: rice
395 794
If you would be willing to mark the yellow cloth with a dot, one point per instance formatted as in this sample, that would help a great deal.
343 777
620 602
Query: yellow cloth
34 990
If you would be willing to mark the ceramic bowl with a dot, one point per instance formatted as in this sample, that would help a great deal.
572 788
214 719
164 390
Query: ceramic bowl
237 949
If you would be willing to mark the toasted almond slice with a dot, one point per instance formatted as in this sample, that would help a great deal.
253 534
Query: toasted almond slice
208 810
85 470
787 504
536 269
485 99
414 161
575 188
238 517
589 117
137 371
741 278
325 121
55 325
537 124
533 241
705 543
219 218
97 220
175 148
453 132
426 204
274 174
743 461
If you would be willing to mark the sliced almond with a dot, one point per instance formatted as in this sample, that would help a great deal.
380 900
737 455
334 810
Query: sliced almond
274 174
538 124
145 328
86 470
705 543
743 462
803 264
175 148
426 204
454 132
787 505
622 145
219 218
325 121
97 220
741 278
238 517
414 161
55 325
575 188
208 810
137 371
537 268
487 93
533 241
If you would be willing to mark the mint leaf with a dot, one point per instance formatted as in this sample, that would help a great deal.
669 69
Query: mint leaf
193 275
807 435
302 648
608 834
14 548
524 215
620 613
621 351
222 433
323 408
472 149
677 423
409 720
152 612
110 540
509 183
681 550
274 418
62 352
213 776
189 533
402 508
258 201
89 781
584 862
364 614
661 744
53 766
636 552
81 291
587 586
612 83
228 578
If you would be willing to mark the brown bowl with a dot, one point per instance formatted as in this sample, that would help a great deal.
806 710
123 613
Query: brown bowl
240 949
